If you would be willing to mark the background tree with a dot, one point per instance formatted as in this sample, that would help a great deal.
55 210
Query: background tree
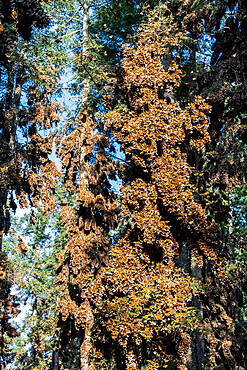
220 28
16 20
33 266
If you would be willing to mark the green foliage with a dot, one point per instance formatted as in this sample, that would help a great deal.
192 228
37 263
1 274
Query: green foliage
33 265
115 21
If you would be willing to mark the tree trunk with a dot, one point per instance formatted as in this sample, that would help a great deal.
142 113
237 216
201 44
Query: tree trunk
198 362
85 88
86 345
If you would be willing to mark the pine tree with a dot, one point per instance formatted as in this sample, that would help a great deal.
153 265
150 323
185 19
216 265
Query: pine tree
16 22
161 186
144 294
32 260
219 30
33 246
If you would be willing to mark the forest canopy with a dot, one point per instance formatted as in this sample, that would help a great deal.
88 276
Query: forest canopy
123 145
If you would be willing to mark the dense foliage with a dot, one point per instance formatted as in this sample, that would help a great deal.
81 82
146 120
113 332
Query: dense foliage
133 255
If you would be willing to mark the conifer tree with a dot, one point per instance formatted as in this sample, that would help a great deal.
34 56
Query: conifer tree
32 260
18 162
163 166
219 31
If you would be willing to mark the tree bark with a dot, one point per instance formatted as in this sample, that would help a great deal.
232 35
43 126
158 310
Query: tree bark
86 345
198 361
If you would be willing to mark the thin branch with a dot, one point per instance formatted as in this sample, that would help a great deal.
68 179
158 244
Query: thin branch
71 18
